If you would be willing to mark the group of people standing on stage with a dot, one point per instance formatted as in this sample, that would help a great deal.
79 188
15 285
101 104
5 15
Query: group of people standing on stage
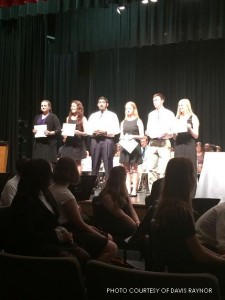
103 125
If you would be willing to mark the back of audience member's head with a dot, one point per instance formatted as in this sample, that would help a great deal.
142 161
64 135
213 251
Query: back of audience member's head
116 182
20 164
152 199
179 179
35 177
177 185
66 172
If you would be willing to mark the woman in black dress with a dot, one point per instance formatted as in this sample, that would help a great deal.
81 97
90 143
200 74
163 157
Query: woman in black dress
131 129
75 145
185 141
46 146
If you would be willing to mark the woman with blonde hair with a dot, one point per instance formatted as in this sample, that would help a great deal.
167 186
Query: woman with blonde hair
189 131
75 146
131 129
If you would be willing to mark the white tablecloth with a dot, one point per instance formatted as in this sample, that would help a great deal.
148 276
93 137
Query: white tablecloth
212 179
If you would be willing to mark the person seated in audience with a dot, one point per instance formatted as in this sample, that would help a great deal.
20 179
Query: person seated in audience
152 199
10 188
200 157
34 228
145 166
210 228
98 244
116 214
173 235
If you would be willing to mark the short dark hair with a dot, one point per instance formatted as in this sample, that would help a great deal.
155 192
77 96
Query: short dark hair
159 95
104 98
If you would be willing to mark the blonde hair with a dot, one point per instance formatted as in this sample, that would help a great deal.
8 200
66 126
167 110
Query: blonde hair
135 111
188 109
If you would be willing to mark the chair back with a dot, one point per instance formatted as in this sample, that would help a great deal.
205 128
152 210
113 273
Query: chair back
105 281
201 205
40 278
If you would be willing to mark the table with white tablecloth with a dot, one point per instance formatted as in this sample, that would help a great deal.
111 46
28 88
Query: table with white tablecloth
211 183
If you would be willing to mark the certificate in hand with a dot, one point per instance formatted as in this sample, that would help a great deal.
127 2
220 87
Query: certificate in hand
128 145
40 130
68 129
180 126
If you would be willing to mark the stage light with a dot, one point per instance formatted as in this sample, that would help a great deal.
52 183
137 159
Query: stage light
144 1
120 8
154 0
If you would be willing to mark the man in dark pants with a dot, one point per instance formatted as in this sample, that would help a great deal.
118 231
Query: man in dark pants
103 125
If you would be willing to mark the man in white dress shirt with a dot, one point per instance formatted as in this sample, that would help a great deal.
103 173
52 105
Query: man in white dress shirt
103 125
160 129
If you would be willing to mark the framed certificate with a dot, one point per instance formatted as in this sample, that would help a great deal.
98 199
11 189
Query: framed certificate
68 129
40 130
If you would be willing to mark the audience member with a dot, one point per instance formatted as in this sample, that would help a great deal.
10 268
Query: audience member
97 244
145 166
210 228
132 129
10 188
74 146
207 147
160 130
200 157
115 212
153 198
102 127
173 231
45 141
34 214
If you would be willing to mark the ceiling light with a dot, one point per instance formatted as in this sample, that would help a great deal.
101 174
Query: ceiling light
144 1
154 0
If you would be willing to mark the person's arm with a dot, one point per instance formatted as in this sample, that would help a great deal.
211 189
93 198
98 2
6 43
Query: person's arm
220 232
194 131
133 212
72 212
201 254
115 210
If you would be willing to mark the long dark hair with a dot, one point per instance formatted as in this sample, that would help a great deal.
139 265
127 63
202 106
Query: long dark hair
116 186
79 113
177 186
66 171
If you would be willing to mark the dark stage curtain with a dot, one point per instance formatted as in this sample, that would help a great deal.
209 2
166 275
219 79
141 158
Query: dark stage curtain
164 22
22 61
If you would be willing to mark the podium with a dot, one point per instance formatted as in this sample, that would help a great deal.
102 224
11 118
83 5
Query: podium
211 181
4 149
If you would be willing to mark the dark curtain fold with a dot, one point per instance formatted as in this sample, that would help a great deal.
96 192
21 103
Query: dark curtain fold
164 22
9 87
22 61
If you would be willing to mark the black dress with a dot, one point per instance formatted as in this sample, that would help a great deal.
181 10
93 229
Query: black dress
46 147
131 127
75 145
185 146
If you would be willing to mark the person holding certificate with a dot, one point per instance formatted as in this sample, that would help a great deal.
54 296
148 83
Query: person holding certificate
187 133
160 130
74 131
46 130
132 130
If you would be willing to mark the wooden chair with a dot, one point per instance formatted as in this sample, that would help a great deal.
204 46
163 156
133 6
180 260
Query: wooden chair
105 281
40 278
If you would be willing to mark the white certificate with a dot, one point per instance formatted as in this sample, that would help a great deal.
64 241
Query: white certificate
128 145
180 126
68 129
40 130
